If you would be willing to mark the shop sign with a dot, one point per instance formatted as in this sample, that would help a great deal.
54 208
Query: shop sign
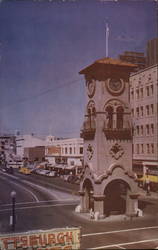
54 239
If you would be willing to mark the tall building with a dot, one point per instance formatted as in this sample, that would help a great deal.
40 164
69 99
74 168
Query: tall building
152 52
144 105
137 58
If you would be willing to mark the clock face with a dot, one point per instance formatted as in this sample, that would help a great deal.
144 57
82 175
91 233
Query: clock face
115 86
91 87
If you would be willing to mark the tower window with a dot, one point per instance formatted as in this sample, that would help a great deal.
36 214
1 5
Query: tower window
120 112
109 117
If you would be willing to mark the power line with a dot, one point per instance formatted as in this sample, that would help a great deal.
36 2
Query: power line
45 92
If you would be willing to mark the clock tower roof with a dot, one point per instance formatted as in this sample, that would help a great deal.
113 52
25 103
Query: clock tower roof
107 62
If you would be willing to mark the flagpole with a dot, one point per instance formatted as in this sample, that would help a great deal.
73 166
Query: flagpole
107 39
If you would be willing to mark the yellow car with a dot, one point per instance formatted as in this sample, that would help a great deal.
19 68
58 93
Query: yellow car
25 170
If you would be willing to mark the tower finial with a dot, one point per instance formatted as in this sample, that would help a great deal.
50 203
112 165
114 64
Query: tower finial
107 38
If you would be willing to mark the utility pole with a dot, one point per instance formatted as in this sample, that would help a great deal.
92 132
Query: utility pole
13 216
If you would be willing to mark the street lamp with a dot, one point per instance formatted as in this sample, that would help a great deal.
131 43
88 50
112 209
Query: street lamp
13 218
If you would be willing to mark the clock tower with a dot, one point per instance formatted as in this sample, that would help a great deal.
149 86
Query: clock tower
108 184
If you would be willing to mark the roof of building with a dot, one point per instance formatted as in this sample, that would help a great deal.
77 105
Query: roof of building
108 61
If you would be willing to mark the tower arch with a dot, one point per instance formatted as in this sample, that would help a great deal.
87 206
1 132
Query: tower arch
115 196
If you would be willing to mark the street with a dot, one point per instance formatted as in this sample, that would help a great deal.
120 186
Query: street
45 203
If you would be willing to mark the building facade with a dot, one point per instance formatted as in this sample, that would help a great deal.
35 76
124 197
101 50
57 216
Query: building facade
7 148
144 105
35 153
65 151
27 141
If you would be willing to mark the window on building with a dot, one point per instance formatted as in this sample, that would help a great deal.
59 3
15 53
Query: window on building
149 77
137 111
152 128
141 93
65 150
152 109
147 109
81 150
132 94
148 149
70 150
72 163
137 148
132 112
147 129
152 89
142 148
137 93
137 130
142 111
74 150
147 91
142 129
152 148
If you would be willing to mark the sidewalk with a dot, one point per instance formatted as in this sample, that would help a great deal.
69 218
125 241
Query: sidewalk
150 196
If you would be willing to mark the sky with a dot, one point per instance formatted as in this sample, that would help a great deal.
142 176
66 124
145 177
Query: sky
43 46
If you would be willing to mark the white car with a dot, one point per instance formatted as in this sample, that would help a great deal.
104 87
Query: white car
44 172
51 173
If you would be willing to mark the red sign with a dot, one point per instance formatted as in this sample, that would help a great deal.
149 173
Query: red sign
54 150
54 239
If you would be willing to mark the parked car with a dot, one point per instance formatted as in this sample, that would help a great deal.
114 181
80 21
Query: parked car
44 172
24 170
51 174
37 170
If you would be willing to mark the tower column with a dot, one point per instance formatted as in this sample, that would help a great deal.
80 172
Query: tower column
84 201
131 204
99 205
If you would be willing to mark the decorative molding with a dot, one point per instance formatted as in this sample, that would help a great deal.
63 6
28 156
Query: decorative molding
90 152
116 151
91 86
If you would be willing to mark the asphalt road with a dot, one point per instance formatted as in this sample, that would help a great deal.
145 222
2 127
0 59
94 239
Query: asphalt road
45 203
